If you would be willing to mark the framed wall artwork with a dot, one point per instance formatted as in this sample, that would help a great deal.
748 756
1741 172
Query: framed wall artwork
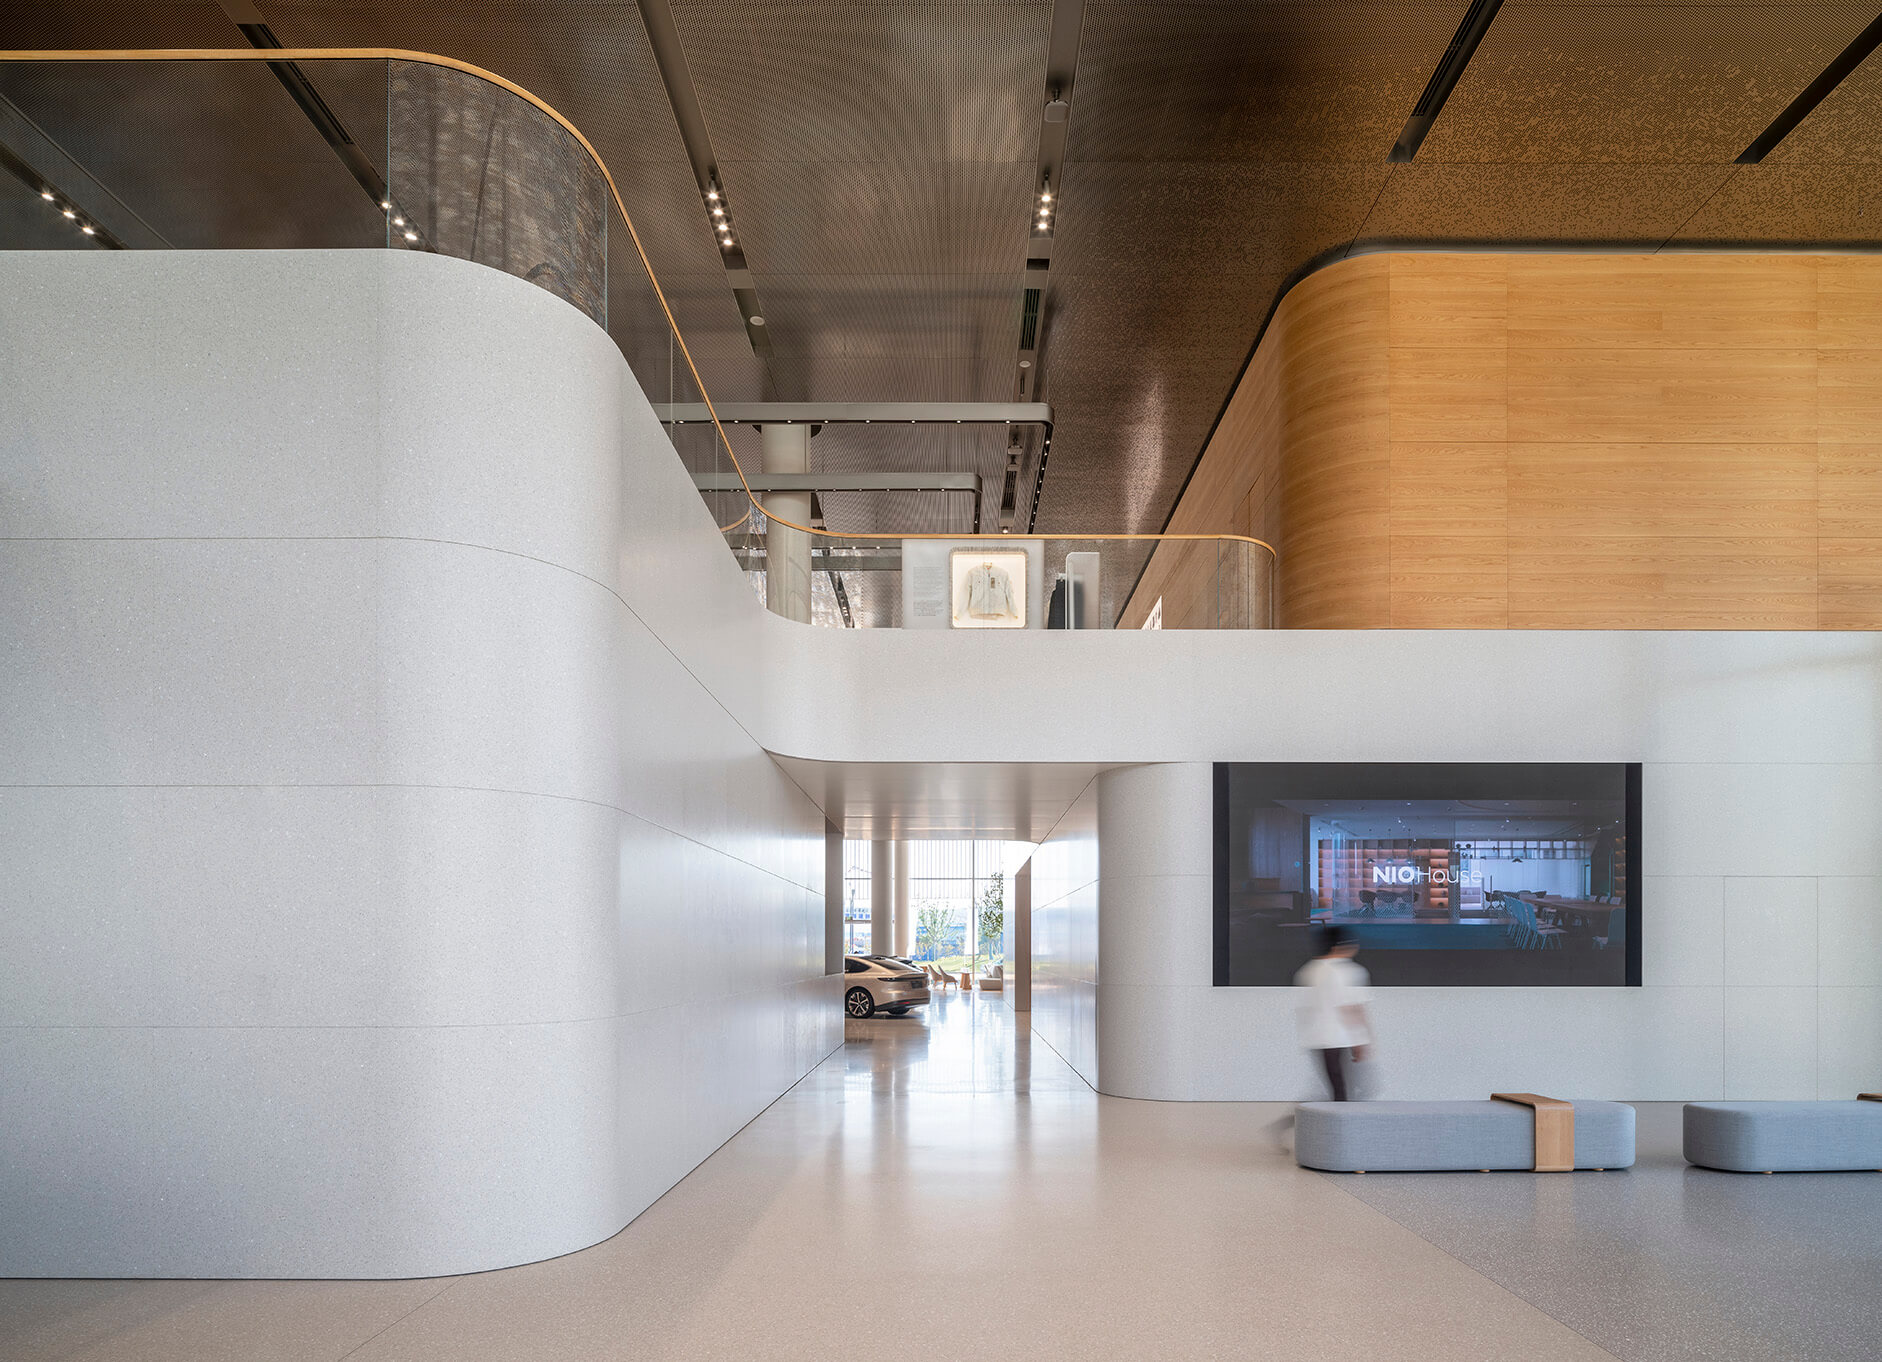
988 588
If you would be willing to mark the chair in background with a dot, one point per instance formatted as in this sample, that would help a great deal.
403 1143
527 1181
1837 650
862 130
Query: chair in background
1522 921
1546 937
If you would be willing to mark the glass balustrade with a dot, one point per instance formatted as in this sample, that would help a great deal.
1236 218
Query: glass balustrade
307 149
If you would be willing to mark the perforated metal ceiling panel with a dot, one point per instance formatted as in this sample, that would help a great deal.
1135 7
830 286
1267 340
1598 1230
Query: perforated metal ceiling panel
898 84
881 161
1638 205
1239 81
1666 84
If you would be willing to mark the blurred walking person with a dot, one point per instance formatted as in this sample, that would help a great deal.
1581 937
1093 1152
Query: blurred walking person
1333 1016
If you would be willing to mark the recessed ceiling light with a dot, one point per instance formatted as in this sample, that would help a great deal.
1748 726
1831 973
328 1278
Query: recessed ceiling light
712 194
718 212
398 222
411 236
1025 364
46 194
385 203
69 213
757 321
88 229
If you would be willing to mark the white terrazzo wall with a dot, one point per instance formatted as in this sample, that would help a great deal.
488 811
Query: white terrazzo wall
1761 969
1065 936
383 896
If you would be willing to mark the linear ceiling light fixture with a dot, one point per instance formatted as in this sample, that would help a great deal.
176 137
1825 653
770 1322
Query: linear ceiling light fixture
1477 20
719 212
669 55
66 208
1813 94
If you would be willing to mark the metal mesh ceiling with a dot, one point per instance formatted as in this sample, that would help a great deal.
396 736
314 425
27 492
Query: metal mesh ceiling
880 160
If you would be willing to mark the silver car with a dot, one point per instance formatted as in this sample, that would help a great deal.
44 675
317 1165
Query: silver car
882 982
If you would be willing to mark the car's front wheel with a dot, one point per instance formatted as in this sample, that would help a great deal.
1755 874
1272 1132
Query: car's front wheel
859 1003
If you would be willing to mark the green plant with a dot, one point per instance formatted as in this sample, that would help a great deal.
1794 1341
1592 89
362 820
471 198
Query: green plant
990 920
933 923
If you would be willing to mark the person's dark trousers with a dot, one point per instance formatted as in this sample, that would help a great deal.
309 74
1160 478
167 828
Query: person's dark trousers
1335 1060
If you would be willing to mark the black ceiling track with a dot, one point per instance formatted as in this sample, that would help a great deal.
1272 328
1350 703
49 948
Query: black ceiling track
1029 319
1477 20
1813 94
326 122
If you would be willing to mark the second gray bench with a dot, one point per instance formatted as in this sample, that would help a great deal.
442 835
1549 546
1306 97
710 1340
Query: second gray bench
1784 1137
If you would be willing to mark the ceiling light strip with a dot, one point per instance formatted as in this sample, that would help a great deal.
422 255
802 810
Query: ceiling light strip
1813 94
1477 20
79 221
669 58
1065 33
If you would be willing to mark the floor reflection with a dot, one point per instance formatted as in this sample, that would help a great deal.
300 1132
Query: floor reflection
958 1043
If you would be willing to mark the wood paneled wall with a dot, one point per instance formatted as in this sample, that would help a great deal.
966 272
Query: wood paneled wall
1556 441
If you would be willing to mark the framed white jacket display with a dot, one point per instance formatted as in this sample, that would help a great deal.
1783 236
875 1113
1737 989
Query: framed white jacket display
988 588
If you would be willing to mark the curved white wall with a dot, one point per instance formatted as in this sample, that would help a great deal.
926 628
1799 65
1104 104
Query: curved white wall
397 882
384 897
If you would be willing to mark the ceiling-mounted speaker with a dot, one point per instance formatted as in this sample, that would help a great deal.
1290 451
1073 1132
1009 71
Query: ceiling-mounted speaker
1057 110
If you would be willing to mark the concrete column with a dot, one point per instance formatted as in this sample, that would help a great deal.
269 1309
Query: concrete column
881 875
833 888
904 927
787 551
1018 990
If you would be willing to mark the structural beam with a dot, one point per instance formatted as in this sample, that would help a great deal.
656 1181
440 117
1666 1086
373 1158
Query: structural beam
840 482
1813 94
967 483
860 413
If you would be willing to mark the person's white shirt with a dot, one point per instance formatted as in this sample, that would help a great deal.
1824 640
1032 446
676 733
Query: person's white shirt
1331 987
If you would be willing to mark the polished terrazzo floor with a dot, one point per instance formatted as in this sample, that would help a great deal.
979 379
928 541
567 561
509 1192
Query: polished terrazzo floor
946 1182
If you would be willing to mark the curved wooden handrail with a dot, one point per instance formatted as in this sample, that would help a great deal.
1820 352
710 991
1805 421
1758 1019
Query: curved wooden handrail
285 54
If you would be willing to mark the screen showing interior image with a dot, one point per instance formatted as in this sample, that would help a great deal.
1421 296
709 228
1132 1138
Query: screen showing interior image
1483 874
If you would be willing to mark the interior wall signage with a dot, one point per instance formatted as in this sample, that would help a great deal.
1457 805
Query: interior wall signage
1418 874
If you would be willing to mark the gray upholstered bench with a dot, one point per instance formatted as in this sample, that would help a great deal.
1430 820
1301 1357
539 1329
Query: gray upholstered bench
1420 1137
1784 1137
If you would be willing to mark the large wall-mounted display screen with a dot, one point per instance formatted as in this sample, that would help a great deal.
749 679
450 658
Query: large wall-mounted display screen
1444 874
